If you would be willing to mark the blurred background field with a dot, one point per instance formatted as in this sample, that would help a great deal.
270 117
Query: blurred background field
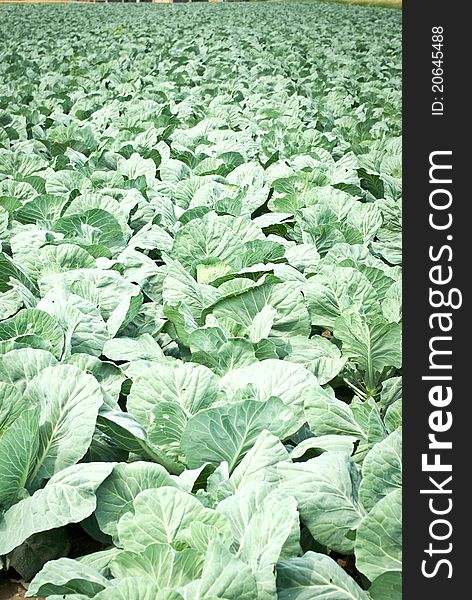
378 3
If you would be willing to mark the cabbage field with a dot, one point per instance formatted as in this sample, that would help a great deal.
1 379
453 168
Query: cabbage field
200 301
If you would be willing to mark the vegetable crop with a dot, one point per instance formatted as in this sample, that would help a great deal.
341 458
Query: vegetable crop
200 301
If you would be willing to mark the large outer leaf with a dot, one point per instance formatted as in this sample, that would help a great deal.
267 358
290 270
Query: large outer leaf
379 538
20 366
393 416
160 564
69 401
226 433
318 355
324 443
181 287
224 576
35 328
12 403
65 576
316 577
263 520
289 318
115 496
93 228
63 182
381 470
164 397
85 330
260 462
57 259
329 294
18 448
8 269
108 375
388 585
189 386
135 166
10 303
106 288
290 382
160 515
205 240
327 415
142 347
71 492
326 489
372 345
135 588
391 391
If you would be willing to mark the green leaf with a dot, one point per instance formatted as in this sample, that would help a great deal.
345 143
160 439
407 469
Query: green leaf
204 240
258 465
267 310
393 416
116 495
326 489
187 386
142 347
316 577
126 433
69 400
19 367
108 375
367 415
388 585
12 404
292 383
324 443
66 576
372 345
224 576
160 564
135 166
44 207
318 355
379 538
85 330
35 328
71 492
8 269
94 226
391 391
326 415
18 454
64 182
59 259
226 433
392 304
263 522
329 295
135 588
160 515
381 470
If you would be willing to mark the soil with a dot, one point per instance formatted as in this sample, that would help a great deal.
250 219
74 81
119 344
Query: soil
12 590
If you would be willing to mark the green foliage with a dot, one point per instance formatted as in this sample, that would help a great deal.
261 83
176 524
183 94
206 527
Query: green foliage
200 229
